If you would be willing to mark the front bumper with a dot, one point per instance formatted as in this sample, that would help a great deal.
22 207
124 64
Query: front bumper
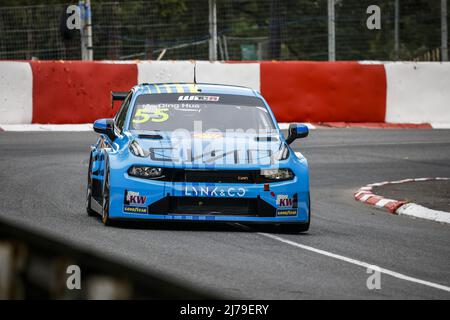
284 202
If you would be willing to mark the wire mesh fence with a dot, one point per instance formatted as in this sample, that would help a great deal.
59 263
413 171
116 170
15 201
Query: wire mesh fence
246 30
34 31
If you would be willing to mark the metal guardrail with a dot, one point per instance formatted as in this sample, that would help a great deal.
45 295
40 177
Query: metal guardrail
36 266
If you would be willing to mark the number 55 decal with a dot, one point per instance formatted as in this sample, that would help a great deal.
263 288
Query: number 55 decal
145 115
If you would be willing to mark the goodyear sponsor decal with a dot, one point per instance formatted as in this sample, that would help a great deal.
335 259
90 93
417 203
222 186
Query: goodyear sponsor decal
286 212
138 210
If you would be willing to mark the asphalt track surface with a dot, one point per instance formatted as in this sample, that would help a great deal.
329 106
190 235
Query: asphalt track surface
43 180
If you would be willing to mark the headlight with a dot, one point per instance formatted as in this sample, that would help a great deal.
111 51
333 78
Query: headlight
137 150
277 174
145 172
283 153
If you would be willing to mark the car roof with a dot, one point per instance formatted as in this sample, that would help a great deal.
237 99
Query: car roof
180 87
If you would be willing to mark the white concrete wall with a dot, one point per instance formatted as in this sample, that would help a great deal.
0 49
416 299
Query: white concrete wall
240 74
418 92
165 71
16 92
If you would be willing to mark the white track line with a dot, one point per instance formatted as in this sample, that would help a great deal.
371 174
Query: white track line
357 262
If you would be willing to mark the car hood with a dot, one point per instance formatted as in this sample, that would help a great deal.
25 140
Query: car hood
212 148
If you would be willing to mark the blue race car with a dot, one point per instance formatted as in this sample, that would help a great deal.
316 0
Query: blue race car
197 152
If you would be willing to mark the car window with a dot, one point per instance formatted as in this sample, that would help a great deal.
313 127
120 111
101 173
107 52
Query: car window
169 112
122 114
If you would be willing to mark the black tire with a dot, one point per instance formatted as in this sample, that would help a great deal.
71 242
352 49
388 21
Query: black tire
295 227
89 210
105 196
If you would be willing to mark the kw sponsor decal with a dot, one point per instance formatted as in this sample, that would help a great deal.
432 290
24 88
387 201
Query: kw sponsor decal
198 98
284 201
134 198
134 202
213 192
287 212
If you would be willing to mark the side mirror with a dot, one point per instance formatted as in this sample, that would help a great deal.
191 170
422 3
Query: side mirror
105 126
296 131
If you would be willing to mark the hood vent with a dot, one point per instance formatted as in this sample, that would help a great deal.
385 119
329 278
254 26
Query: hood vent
266 138
150 136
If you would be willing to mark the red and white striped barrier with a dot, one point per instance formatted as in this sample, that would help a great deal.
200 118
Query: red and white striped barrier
365 194
16 92
329 93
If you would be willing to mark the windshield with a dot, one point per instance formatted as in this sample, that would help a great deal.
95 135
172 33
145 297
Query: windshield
170 112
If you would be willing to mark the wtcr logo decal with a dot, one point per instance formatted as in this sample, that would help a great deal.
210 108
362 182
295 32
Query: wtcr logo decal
198 98
213 192
134 198
284 201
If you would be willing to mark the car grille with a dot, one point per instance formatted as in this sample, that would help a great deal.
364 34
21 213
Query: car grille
213 206
212 176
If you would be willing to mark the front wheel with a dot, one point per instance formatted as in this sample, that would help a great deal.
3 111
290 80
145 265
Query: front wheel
89 210
106 196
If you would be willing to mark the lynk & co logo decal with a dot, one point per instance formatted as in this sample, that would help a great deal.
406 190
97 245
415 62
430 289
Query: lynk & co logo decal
213 192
